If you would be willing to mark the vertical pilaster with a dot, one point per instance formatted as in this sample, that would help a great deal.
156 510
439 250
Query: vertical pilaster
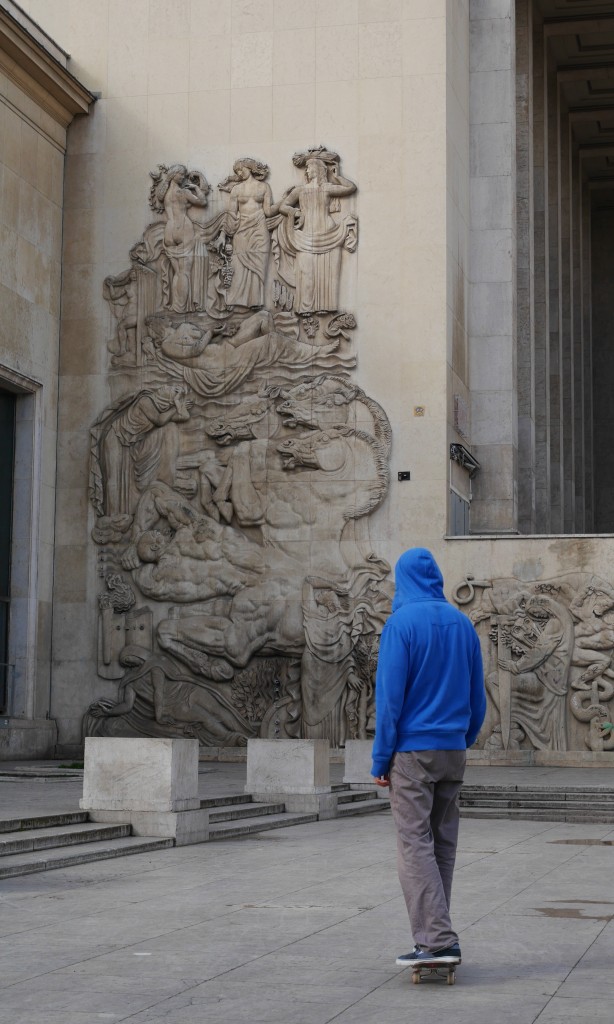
554 293
492 306
541 311
525 266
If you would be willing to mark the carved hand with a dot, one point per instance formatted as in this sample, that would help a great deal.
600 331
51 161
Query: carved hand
99 709
130 559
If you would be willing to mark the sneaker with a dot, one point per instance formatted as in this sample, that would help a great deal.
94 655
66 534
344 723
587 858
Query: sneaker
449 955
408 958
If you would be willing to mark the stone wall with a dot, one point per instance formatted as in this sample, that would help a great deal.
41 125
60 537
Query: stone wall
291 238
201 84
38 99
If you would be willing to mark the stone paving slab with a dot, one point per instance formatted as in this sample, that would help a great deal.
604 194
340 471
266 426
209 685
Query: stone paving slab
302 926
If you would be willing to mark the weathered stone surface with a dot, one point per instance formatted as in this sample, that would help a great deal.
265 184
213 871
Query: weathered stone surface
185 827
153 775
296 772
547 647
240 599
288 766
358 762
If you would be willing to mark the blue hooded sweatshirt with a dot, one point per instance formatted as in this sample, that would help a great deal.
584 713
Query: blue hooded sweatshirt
429 692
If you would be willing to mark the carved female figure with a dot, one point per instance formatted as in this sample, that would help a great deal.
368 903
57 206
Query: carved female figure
312 236
174 192
130 447
251 202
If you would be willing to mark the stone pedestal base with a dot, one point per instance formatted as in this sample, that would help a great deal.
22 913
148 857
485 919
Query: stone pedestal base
150 783
184 827
295 771
358 768
358 762
27 739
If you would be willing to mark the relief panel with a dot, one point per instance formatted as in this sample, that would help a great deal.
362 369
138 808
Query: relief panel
548 648
233 472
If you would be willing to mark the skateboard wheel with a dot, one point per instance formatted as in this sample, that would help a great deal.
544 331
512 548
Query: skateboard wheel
416 977
451 978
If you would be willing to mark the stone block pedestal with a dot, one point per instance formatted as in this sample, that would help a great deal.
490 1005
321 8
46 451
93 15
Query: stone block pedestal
296 772
358 762
150 783
358 757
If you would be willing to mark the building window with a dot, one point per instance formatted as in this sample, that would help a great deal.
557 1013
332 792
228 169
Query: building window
459 515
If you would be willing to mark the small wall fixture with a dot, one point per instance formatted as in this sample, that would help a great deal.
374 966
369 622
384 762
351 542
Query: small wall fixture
458 453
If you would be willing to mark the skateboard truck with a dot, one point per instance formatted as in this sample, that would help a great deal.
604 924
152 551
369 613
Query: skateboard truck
436 968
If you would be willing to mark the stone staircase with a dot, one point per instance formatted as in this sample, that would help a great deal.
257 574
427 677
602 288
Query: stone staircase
42 842
232 816
538 803
356 801
239 816
39 843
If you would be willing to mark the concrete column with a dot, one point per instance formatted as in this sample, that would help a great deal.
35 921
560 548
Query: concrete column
525 228
541 297
589 496
603 361
565 304
492 305
577 334
554 298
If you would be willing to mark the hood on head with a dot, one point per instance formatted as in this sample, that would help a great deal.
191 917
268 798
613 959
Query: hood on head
417 578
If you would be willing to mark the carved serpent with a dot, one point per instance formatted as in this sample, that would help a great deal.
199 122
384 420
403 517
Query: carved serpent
595 708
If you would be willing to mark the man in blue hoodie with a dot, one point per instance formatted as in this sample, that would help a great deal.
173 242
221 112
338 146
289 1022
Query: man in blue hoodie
430 705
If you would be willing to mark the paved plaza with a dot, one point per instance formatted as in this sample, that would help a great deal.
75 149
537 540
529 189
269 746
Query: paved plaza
302 925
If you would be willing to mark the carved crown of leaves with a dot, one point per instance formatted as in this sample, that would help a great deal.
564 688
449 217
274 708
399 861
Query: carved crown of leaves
327 156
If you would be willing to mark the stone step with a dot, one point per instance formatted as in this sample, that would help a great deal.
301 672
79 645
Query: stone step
355 796
364 807
224 801
535 802
40 773
546 814
30 863
231 829
545 792
43 821
233 812
26 841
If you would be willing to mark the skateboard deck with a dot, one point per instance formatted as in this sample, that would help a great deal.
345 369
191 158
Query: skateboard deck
436 969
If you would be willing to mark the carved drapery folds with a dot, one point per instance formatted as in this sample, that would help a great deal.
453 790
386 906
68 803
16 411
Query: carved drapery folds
233 472
548 647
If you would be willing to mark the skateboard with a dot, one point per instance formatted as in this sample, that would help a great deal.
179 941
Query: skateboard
436 969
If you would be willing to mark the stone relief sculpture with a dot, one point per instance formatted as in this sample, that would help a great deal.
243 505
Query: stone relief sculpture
246 225
130 448
310 238
178 699
234 471
174 192
548 648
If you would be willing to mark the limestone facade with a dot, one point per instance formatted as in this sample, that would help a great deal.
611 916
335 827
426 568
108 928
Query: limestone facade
39 98
252 170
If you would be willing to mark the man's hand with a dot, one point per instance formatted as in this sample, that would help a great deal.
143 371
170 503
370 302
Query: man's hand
382 780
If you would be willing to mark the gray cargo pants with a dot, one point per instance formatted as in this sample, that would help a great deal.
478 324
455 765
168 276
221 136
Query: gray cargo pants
424 788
